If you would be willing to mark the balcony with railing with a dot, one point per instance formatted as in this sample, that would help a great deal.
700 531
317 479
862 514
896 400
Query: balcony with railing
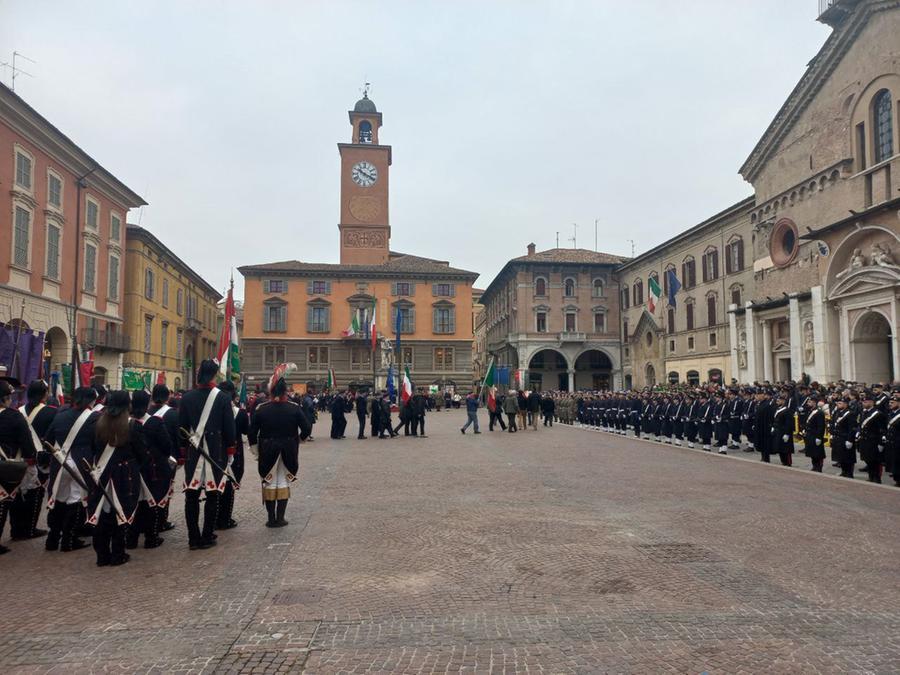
193 325
572 336
113 341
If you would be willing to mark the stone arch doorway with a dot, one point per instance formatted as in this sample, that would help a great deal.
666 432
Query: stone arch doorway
593 370
871 348
548 369
650 375
57 344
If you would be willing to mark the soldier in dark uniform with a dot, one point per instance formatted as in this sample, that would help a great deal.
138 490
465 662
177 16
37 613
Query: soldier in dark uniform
118 454
734 410
156 474
548 409
869 438
161 408
276 429
418 408
361 412
677 416
26 508
748 417
843 433
721 423
15 443
762 436
705 420
782 429
892 438
691 415
71 434
665 420
204 414
225 520
814 433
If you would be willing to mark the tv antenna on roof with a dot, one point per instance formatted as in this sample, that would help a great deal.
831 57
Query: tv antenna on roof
574 237
16 71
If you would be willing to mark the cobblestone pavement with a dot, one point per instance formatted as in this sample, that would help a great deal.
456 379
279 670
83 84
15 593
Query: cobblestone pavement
552 551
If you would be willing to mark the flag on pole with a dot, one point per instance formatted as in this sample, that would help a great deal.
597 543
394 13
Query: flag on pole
489 375
406 388
354 325
390 382
653 293
374 330
229 349
330 383
674 286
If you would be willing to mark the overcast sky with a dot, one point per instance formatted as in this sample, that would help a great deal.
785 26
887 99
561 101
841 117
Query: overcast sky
509 121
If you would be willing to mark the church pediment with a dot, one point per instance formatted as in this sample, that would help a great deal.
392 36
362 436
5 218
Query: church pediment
865 280
645 323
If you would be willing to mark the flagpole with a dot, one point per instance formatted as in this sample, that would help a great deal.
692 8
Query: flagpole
484 380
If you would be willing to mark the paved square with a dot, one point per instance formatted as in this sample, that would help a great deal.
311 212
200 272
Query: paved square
560 550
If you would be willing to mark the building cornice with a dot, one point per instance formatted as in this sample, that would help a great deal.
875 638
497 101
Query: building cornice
137 233
30 124
811 82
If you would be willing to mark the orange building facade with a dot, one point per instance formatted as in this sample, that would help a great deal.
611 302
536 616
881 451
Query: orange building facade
304 312
62 240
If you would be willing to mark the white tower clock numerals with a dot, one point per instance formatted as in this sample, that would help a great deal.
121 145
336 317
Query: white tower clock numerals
364 174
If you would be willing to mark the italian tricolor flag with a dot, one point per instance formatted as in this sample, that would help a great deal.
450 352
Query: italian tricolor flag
406 386
652 294
374 331
229 349
354 325
330 382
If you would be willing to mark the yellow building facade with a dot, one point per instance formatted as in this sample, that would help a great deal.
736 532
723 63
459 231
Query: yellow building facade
171 314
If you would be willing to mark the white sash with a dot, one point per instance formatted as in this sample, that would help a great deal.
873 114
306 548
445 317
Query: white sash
203 468
162 411
870 418
97 472
62 455
894 420
197 435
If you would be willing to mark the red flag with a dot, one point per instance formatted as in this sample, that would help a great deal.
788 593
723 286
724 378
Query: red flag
161 377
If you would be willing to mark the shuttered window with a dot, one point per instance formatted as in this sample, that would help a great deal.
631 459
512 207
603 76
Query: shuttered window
444 320
403 288
274 286
275 318
318 288
407 319
318 319
443 290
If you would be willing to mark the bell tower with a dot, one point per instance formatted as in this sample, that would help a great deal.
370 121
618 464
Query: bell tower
364 225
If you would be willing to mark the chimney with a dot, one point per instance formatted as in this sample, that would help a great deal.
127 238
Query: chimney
530 249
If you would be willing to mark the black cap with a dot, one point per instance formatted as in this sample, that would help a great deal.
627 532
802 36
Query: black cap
207 371
160 393
140 400
84 396
117 402
867 396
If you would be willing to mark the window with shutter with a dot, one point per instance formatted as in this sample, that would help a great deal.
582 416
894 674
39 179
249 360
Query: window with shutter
711 310
670 315
265 285
689 315
728 261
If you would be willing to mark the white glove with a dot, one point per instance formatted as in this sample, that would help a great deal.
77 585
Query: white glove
880 448
172 462
818 441
771 430
785 438
848 444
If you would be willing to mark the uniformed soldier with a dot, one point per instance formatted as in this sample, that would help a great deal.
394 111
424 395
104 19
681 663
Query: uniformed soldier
71 435
163 408
843 433
705 420
15 444
869 438
115 472
276 430
361 405
225 520
782 429
25 509
892 438
734 411
156 473
748 417
762 436
207 430
814 432
721 422
691 417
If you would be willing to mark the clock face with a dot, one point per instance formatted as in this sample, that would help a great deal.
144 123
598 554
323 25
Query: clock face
364 174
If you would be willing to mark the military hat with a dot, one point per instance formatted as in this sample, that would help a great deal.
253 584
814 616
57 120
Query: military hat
117 402
8 385
867 395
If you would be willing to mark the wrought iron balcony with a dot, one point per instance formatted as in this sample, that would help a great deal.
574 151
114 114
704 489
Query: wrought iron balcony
112 341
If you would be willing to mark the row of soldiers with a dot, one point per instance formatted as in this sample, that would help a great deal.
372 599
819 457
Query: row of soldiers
862 423
107 462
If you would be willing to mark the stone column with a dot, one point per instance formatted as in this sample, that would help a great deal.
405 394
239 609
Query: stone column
750 328
820 368
571 380
895 339
733 340
796 338
846 357
767 350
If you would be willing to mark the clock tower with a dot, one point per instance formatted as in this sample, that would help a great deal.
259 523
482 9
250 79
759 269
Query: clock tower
364 226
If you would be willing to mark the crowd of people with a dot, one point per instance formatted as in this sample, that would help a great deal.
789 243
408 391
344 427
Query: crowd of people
105 464
850 421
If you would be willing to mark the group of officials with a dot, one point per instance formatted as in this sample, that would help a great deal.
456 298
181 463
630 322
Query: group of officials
856 422
105 464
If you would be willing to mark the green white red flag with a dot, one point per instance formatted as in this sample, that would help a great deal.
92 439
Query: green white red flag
406 386
652 294
229 347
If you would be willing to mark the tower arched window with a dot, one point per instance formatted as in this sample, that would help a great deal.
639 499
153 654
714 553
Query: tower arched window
626 297
734 255
540 286
597 288
689 272
638 292
883 125
570 287
365 132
